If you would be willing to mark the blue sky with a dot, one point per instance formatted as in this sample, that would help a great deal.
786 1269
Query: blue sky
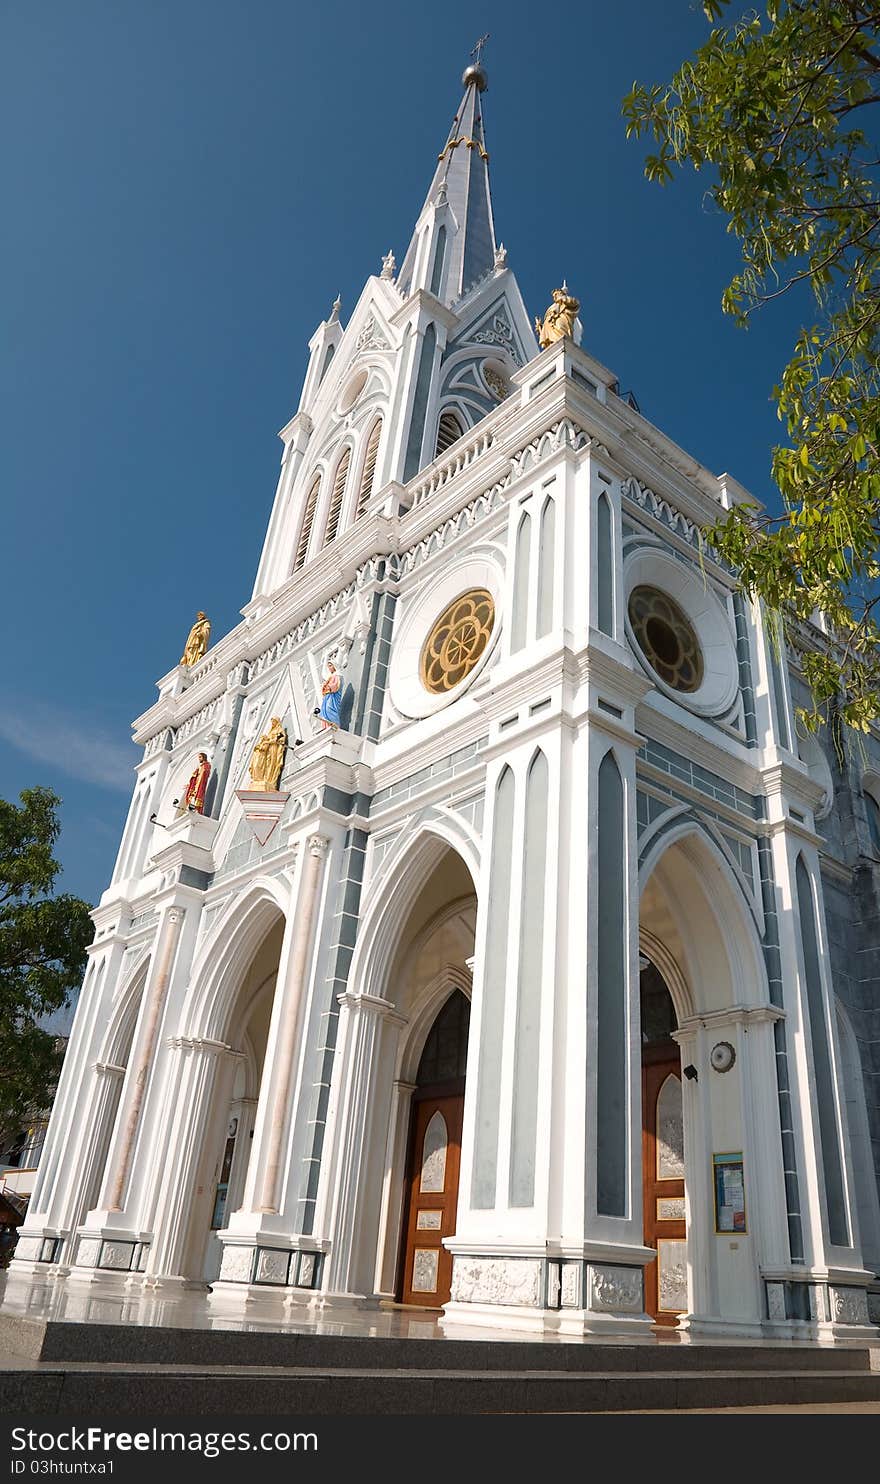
187 187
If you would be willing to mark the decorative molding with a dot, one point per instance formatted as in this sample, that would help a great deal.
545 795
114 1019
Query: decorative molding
639 494
371 337
500 332
203 1045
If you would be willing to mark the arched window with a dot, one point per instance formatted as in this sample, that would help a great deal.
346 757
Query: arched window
306 528
328 356
439 255
604 567
368 473
336 498
520 616
873 809
546 566
611 1049
449 430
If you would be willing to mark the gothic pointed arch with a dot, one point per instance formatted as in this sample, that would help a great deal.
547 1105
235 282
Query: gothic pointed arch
337 495
368 469
305 531
449 430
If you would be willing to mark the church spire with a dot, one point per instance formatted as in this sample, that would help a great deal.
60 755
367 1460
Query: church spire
453 244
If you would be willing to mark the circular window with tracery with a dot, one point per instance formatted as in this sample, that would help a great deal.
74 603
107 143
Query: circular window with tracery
666 638
457 640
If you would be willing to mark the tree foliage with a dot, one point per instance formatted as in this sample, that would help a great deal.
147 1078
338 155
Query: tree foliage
43 939
777 109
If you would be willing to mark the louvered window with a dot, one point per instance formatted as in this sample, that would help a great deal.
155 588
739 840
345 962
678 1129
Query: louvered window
308 517
336 497
448 431
369 470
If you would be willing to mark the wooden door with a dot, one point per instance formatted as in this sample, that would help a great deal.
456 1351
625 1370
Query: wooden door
432 1199
663 1184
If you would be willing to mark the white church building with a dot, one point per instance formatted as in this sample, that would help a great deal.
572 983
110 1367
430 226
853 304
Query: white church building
544 989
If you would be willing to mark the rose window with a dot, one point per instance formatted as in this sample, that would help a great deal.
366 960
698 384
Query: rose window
457 640
666 638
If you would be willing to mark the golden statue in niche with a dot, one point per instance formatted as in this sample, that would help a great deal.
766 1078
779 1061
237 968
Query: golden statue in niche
267 760
559 319
197 642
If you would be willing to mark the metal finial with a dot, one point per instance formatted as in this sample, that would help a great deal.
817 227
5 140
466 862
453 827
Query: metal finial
476 72
477 52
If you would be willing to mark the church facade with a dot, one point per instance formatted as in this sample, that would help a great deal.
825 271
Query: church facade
538 982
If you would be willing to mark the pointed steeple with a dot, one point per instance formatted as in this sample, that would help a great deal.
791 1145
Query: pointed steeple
453 244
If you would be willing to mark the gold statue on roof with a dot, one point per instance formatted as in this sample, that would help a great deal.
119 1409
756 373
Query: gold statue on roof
559 318
197 643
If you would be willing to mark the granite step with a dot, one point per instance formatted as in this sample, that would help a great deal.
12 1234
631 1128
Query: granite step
31 1388
51 1340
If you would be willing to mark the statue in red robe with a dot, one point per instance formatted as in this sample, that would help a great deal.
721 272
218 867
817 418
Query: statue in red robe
194 797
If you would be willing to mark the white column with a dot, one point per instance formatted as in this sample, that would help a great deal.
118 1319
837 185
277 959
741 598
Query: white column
118 1176
285 1046
176 1250
98 1116
342 1211
391 1212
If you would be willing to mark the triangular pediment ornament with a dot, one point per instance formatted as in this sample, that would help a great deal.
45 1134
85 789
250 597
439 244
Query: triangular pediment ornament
371 337
495 326
262 810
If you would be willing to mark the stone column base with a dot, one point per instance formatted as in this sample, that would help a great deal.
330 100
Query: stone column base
818 1308
546 1295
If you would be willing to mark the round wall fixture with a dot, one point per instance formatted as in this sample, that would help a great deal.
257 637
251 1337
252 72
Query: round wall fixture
722 1056
351 391
680 632
666 638
457 640
445 636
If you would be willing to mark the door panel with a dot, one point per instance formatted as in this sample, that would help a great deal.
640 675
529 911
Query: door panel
663 1187
432 1199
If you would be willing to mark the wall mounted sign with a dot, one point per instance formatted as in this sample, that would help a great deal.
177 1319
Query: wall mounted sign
730 1198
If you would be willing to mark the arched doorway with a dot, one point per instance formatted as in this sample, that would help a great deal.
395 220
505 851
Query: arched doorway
663 1167
711 1162
232 1124
415 948
434 1157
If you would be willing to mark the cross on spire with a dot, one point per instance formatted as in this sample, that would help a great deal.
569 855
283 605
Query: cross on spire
477 52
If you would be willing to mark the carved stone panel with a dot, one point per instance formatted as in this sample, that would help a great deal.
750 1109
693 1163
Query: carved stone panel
272 1265
775 1301
30 1248
306 1275
236 1264
572 1272
117 1256
613 1289
849 1305
488 1280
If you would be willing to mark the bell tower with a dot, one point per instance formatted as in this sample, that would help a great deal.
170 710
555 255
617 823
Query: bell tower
407 375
